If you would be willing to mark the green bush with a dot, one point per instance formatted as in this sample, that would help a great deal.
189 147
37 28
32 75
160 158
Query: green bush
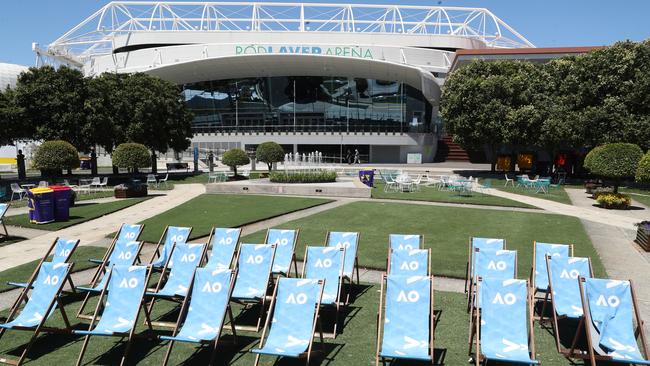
55 155
323 176
614 161
614 200
131 156
234 158
601 190
269 152
643 170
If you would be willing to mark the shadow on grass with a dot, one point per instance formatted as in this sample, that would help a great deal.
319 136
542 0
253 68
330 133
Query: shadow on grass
45 344
323 354
6 240
227 350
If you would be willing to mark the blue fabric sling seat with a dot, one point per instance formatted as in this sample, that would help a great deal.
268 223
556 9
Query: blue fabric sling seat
499 264
326 263
612 309
479 244
404 242
124 253
254 271
504 321
127 233
184 258
223 242
294 315
173 235
408 318
349 241
414 262
563 278
541 272
285 243
45 289
60 252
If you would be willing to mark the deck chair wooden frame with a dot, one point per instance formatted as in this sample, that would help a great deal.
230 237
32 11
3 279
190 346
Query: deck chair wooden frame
161 242
390 252
54 303
420 246
131 334
380 322
356 256
548 301
472 294
338 304
468 267
183 314
262 301
294 261
475 328
32 277
160 284
533 285
586 320
206 258
316 323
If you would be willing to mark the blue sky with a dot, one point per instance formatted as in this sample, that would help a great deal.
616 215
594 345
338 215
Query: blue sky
547 23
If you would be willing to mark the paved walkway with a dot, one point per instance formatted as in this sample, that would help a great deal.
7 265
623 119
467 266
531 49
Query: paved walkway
94 231
579 198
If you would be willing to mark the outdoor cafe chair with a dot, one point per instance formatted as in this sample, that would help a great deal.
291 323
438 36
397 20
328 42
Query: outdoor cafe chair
17 190
151 179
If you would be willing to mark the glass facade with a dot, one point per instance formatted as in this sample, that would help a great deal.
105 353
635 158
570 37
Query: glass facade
307 104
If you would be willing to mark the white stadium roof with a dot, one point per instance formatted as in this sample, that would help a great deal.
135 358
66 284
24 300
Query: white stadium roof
9 74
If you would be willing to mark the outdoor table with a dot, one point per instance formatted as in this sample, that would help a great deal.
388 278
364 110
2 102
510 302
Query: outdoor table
27 186
405 183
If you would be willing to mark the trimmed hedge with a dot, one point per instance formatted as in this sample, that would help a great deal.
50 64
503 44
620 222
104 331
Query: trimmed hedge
614 161
131 155
269 152
55 155
323 176
643 170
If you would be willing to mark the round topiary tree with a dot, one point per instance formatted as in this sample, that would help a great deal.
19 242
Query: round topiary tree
131 156
643 170
53 156
234 158
269 152
615 161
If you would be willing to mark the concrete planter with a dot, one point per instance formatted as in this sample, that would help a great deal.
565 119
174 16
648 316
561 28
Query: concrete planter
643 236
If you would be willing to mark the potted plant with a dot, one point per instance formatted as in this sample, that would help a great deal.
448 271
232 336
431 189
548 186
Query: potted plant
643 235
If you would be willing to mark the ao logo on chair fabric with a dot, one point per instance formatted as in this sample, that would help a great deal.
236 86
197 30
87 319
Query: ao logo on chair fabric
51 280
255 259
609 301
504 299
213 287
410 266
497 266
324 263
410 296
129 283
570 274
299 298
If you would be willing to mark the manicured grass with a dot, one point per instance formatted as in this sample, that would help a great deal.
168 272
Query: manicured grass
355 346
640 195
554 194
435 195
80 197
22 272
446 230
78 214
210 210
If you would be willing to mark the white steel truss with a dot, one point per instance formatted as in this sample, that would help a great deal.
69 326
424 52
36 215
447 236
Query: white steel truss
94 36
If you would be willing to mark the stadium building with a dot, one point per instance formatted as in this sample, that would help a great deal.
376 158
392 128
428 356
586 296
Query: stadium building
326 77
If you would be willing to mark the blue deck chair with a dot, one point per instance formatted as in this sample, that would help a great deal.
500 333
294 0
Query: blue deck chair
405 241
124 253
223 242
326 263
294 310
501 264
406 329
481 244
564 293
203 313
183 260
127 233
539 279
254 263
124 295
349 241
172 235
3 209
503 330
61 250
613 322
285 245
42 301
415 262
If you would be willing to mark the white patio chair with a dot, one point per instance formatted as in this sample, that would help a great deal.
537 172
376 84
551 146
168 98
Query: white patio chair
151 179
163 180
246 173
104 183
415 183
391 184
43 184
509 180
16 190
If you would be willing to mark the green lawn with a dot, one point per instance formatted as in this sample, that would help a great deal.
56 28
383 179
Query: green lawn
435 195
209 210
355 346
446 230
80 197
554 194
78 214
21 273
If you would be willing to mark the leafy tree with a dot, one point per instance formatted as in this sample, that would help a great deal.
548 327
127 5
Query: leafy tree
53 156
643 170
131 156
11 124
109 109
615 161
234 158
269 152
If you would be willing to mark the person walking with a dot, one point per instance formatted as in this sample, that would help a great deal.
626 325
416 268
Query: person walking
348 157
356 157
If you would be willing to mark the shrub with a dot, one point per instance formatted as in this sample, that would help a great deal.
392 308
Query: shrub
643 170
53 156
323 176
601 190
131 156
234 158
269 152
614 200
614 161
